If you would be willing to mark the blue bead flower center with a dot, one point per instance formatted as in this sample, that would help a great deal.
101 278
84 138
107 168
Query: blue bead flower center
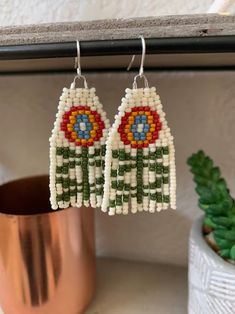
83 126
140 127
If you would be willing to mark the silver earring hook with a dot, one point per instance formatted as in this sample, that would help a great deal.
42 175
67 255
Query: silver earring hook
78 59
141 70
131 62
78 67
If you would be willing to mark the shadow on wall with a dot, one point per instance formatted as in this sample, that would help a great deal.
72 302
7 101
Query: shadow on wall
161 237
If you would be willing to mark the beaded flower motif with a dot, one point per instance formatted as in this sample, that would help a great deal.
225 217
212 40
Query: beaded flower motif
140 157
82 126
77 150
139 127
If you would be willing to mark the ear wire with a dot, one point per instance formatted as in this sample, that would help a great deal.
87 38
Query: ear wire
141 69
78 67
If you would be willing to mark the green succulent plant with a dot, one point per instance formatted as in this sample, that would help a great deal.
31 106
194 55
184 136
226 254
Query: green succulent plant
217 203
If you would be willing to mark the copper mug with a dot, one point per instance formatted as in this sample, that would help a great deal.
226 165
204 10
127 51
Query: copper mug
47 263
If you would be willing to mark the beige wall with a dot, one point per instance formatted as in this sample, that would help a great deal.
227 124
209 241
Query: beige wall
18 12
200 109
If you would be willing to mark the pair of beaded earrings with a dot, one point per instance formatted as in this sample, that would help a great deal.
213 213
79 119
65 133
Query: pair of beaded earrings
128 167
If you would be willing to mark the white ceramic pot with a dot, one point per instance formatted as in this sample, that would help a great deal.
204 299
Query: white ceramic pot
211 279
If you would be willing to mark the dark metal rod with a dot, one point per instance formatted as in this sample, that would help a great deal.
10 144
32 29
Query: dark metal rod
120 70
207 44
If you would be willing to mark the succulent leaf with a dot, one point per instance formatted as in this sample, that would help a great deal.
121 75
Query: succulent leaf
230 235
232 252
225 253
208 222
224 244
215 172
224 221
220 233
215 200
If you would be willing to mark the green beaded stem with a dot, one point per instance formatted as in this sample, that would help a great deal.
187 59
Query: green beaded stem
91 167
71 183
59 178
146 184
86 187
166 173
120 173
115 155
152 174
103 152
139 165
159 174
78 166
127 186
98 168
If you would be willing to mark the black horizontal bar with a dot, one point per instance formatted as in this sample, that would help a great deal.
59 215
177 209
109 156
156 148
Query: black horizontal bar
120 70
206 44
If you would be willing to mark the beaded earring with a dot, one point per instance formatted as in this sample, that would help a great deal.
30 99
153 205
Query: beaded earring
77 147
140 155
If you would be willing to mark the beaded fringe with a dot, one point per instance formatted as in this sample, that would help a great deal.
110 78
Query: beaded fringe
140 157
77 150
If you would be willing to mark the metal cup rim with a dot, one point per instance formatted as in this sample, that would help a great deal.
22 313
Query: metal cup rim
11 184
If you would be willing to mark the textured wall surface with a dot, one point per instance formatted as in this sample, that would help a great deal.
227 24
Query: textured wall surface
43 11
200 110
